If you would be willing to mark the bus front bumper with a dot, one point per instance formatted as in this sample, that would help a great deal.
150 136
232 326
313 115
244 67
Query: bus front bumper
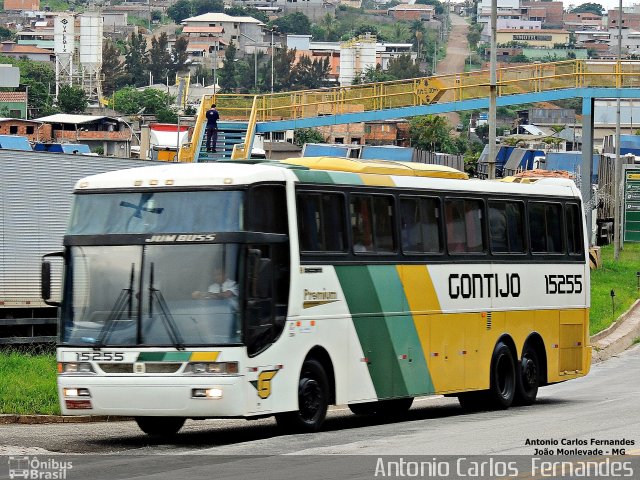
188 396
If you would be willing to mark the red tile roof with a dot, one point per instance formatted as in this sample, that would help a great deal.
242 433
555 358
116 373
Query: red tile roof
13 96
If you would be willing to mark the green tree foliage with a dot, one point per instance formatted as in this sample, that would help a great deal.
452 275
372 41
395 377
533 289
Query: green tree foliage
72 99
227 75
179 54
309 74
307 135
136 60
588 7
40 78
190 8
371 75
473 35
283 69
403 67
156 16
436 3
294 23
129 100
247 12
5 33
113 73
431 133
160 61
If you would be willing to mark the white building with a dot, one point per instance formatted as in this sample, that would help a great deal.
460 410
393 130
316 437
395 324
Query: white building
244 32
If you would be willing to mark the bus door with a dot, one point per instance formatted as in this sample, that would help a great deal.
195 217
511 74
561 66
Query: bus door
265 314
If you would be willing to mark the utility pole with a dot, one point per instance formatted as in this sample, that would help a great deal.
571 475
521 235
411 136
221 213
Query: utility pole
617 223
273 56
492 92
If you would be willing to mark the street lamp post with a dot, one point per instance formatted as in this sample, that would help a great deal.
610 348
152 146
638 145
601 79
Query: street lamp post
255 59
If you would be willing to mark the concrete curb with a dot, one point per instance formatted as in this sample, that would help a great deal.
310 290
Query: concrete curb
612 341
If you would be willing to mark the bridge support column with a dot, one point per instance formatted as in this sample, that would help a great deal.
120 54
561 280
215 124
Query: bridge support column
587 163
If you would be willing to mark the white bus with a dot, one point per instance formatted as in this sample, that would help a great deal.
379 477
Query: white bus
246 290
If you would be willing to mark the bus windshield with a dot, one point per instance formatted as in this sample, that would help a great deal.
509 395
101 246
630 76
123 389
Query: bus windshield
157 212
170 295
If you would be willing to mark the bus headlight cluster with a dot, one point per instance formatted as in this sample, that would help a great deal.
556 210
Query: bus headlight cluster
210 393
75 367
215 368
76 392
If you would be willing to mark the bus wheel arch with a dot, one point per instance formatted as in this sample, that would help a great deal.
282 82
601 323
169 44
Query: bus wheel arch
315 393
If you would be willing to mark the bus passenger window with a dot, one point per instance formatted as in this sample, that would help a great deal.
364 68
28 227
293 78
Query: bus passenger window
575 242
464 224
420 225
321 222
505 227
372 223
267 211
545 225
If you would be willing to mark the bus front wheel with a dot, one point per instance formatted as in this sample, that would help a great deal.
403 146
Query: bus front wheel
503 377
528 377
160 426
313 400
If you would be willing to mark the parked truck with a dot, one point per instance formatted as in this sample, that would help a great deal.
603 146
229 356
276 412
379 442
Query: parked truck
35 193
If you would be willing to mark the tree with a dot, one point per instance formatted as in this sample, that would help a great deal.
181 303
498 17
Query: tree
179 11
372 74
72 99
307 135
436 3
179 54
112 68
129 101
156 16
403 67
247 12
40 78
136 60
294 23
160 61
308 74
283 69
588 7
188 8
5 33
431 132
227 74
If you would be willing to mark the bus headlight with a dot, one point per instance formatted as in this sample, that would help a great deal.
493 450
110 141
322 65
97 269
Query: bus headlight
210 393
76 392
75 367
212 368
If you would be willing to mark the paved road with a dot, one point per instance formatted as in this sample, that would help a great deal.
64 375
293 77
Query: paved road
602 406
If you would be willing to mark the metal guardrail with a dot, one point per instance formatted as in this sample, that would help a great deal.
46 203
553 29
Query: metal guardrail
531 78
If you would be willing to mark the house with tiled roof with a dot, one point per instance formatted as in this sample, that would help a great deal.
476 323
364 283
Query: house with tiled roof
13 50
228 28
13 104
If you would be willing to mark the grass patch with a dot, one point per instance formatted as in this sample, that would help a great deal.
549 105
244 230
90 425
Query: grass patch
636 341
618 276
28 383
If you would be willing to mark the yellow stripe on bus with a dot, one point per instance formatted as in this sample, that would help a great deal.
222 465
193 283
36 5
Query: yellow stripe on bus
204 356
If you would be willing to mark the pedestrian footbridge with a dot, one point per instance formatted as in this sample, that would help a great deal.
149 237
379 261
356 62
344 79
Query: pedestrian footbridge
242 116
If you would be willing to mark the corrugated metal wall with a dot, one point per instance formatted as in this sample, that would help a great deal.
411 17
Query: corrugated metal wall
36 192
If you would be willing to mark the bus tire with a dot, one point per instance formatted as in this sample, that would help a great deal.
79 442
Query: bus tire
160 426
313 400
528 377
503 378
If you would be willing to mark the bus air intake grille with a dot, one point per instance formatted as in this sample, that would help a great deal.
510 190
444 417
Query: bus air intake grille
162 367
488 320
116 367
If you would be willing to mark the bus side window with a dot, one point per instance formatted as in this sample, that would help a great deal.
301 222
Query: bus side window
321 222
267 211
420 224
465 228
505 227
372 223
575 242
360 208
545 225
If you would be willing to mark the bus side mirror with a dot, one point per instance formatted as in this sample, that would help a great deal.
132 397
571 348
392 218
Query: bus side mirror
45 279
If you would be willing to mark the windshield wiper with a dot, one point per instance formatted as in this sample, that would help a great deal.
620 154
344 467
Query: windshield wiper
167 319
124 300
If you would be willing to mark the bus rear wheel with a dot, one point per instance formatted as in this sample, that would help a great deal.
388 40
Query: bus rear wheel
160 426
503 378
528 377
313 400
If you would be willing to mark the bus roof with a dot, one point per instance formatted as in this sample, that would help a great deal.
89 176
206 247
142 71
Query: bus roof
377 167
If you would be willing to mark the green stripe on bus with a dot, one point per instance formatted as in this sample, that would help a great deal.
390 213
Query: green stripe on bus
390 342
402 329
346 178
163 356
313 176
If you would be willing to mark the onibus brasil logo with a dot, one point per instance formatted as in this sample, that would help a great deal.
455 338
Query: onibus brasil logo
38 469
